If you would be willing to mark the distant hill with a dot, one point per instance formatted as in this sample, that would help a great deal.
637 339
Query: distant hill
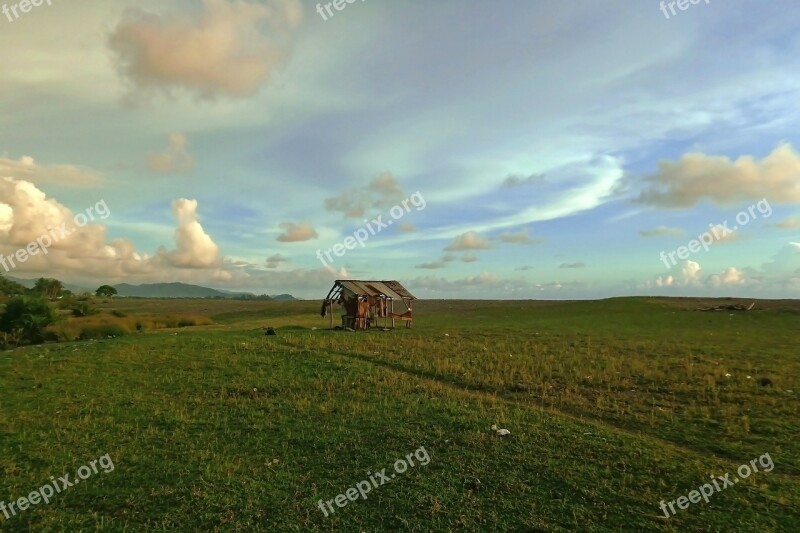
169 290
29 283
284 298
164 290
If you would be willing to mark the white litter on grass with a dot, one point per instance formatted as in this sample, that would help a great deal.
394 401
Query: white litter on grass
500 432
727 375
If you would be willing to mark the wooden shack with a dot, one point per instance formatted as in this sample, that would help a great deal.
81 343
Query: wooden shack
361 304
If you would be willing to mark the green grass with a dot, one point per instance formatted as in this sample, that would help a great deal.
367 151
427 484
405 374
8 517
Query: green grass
612 406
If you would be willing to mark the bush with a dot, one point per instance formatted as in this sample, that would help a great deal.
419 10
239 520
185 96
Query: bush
84 308
102 331
103 325
25 318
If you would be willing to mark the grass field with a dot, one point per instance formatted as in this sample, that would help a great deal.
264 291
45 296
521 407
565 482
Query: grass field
612 406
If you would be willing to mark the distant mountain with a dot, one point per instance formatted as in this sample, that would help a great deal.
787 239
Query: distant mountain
184 290
284 298
164 290
29 283
169 290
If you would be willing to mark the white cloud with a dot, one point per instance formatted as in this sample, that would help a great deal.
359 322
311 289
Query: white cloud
196 248
697 176
382 192
730 277
27 169
175 159
683 275
231 48
297 232
468 241
84 251
521 237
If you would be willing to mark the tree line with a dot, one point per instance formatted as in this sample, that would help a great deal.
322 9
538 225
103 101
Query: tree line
27 312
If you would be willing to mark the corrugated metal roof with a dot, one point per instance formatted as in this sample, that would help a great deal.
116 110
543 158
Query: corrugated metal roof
389 289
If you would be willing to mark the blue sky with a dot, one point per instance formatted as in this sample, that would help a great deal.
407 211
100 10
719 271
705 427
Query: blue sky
559 147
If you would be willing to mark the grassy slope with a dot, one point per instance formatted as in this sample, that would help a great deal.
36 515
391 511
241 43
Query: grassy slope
612 405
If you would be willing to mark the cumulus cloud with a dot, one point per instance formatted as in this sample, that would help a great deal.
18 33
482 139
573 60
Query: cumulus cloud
730 277
382 192
521 237
688 275
275 260
87 257
230 48
699 176
175 159
661 231
83 251
682 275
195 248
468 241
297 232
27 169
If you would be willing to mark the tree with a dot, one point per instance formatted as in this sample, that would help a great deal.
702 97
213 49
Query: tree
47 287
106 291
11 288
26 317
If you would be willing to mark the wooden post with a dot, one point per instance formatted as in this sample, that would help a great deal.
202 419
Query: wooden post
392 311
330 311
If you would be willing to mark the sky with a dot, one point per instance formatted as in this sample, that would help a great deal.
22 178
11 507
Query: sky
522 149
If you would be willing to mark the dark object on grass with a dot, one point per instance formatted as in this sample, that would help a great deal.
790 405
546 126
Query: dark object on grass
765 382
269 331
736 307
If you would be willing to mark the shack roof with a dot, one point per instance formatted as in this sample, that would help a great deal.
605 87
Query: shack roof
388 289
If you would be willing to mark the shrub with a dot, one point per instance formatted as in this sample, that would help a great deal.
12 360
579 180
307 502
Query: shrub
102 331
84 308
26 317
